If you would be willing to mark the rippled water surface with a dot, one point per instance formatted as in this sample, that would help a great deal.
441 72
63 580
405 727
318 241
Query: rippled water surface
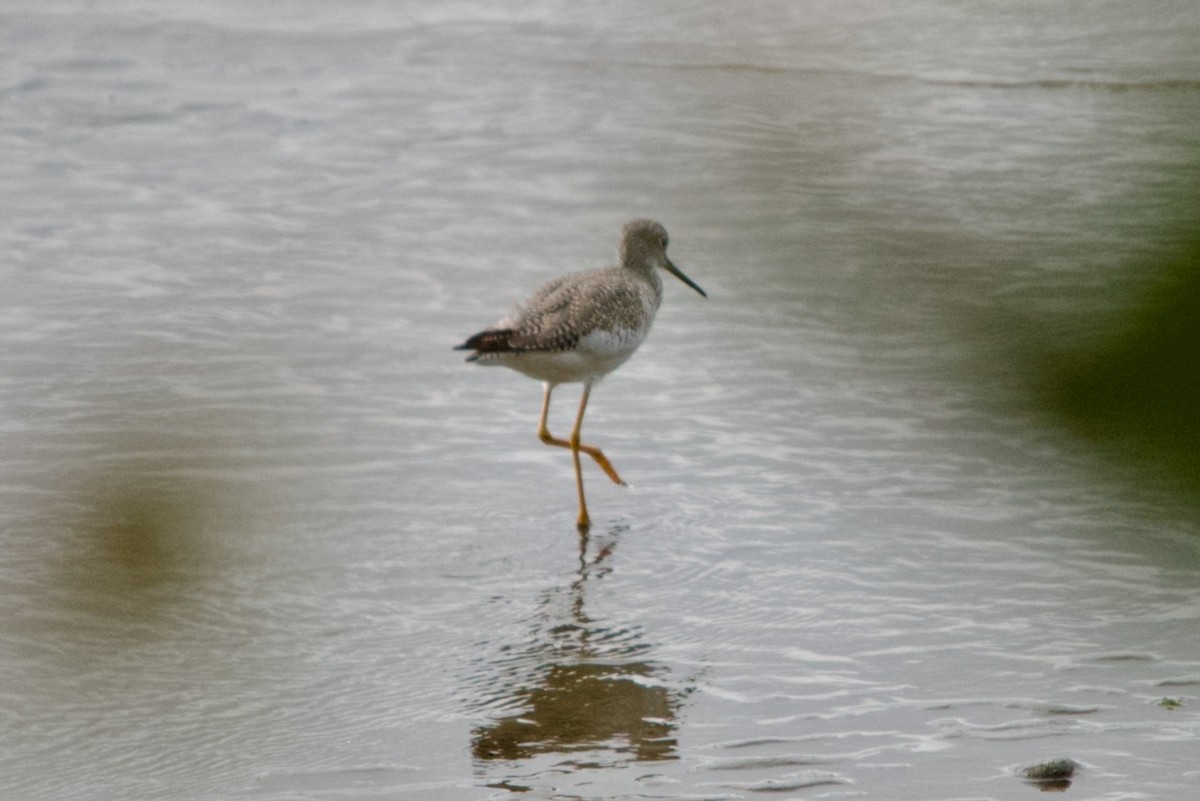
266 536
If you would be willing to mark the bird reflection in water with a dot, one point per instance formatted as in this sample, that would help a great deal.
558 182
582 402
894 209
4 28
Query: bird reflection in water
580 685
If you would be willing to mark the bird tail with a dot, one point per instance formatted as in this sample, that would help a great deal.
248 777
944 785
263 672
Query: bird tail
492 340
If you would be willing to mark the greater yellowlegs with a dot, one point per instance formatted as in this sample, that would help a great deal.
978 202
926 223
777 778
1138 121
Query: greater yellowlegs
581 327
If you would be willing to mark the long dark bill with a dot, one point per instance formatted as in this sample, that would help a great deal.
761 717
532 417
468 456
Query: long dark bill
675 271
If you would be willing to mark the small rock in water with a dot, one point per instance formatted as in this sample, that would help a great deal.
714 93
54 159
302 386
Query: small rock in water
1054 770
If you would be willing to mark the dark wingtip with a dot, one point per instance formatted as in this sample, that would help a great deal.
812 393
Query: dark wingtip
493 340
467 346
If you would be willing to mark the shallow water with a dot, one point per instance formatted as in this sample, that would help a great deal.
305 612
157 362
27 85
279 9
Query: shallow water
267 537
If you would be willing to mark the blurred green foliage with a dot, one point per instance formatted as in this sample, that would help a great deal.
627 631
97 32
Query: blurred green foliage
1140 386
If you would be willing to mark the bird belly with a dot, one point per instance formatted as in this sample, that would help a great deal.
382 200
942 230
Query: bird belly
562 367
595 355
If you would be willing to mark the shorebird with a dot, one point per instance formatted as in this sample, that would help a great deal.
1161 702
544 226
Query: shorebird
579 328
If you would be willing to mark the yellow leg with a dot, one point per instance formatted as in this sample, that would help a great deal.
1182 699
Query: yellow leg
545 436
583 523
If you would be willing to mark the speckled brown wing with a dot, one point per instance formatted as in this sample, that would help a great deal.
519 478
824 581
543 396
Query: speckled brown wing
564 312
